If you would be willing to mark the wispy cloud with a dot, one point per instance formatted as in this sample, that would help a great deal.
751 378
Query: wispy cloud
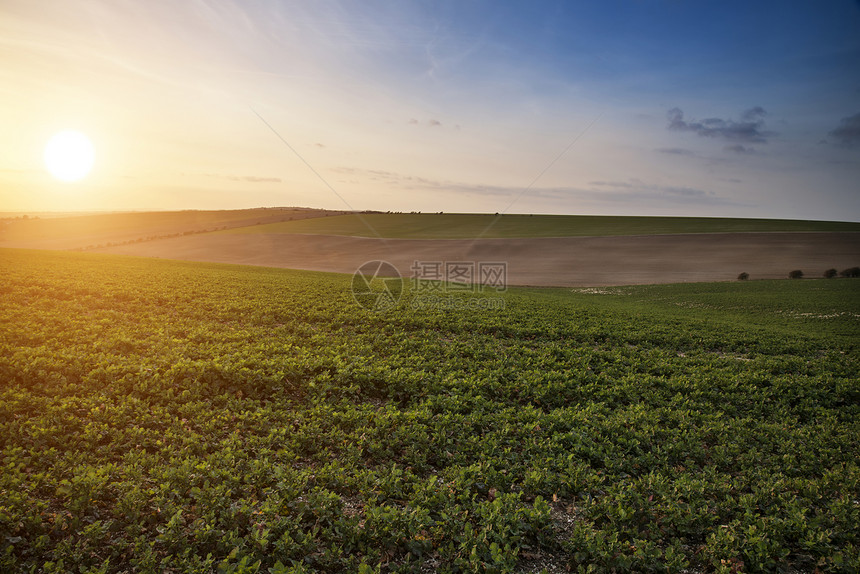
635 189
603 191
255 179
246 178
432 122
749 129
676 151
848 132
740 149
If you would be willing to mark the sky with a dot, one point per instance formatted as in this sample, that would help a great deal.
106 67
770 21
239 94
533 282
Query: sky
618 107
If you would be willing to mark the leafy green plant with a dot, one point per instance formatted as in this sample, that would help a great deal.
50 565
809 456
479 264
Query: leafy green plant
172 416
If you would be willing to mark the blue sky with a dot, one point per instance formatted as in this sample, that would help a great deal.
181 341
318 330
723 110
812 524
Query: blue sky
620 107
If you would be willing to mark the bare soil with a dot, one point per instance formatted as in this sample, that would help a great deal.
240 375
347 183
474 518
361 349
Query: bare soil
568 261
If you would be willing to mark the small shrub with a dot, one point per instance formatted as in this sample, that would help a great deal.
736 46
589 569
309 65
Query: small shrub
743 276
796 274
830 273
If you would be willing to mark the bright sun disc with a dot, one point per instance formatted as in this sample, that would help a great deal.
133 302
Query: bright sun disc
69 155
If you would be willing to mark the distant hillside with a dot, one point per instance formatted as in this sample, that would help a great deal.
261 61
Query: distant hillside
465 226
99 230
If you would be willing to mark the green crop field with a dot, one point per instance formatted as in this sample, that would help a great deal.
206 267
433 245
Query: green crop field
458 226
178 417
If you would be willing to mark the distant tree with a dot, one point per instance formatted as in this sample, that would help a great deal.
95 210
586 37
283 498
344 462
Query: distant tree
850 272
743 276
830 274
796 274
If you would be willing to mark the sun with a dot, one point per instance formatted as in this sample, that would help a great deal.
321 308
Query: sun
69 155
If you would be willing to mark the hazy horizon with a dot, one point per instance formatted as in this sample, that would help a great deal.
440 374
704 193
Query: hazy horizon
618 108
73 213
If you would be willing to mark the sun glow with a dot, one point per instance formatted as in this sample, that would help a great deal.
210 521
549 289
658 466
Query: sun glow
69 155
